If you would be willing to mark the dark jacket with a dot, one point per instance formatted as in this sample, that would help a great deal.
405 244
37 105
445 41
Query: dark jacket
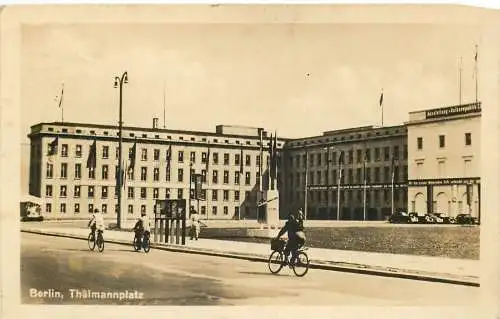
291 227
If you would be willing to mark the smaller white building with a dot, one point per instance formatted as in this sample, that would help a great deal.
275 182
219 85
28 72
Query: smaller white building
444 160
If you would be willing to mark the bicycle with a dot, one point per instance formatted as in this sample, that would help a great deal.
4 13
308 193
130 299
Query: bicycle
299 261
99 242
141 242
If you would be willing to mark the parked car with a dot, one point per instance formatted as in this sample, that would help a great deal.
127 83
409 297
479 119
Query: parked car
466 219
414 218
399 217
444 219
430 218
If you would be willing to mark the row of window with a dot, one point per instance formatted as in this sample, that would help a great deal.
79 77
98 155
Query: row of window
348 176
442 141
143 192
180 155
371 195
130 209
335 158
144 174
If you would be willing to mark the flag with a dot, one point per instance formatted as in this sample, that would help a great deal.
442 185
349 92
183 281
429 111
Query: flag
341 163
469 195
124 176
364 169
241 161
475 56
53 146
169 157
381 98
62 95
92 159
271 163
207 163
275 155
131 157
392 168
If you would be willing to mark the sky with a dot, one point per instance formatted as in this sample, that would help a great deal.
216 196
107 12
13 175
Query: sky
297 79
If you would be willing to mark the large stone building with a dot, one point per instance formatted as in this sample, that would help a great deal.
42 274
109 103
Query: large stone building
73 168
368 152
444 160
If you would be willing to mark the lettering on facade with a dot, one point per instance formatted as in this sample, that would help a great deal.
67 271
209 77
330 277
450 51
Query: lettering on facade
356 186
444 181
453 110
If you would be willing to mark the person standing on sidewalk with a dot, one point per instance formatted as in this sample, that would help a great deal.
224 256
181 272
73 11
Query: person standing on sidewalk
194 231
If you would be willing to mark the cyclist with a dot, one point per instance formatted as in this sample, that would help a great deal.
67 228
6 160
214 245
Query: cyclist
296 237
142 226
96 223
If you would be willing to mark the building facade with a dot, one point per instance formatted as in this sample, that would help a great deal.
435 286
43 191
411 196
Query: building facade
444 161
74 169
358 162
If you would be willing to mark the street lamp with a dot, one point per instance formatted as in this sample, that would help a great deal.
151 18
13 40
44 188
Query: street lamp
119 81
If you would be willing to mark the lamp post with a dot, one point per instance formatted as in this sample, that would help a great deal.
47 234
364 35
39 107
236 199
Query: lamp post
119 81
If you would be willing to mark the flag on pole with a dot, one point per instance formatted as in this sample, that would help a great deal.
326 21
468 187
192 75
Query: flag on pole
381 98
92 158
341 163
131 157
241 160
275 156
124 176
53 146
62 96
207 162
169 157
392 168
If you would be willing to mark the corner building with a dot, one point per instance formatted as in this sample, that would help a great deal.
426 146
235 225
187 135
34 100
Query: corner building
444 160
318 158
69 189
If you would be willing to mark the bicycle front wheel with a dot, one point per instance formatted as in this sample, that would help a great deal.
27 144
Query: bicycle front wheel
146 245
91 242
301 264
275 262
100 244
137 244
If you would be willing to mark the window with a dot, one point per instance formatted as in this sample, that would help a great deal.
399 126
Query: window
215 177
143 209
247 178
50 170
167 193
257 161
377 174
387 177
387 154
236 211
48 190
63 191
216 158
105 152
78 151
203 210
77 208
156 174
442 142
76 192
104 208
377 154
144 154
104 192
467 168
214 195
214 210
130 192
78 171
48 208
143 193
180 193
105 172
236 178
91 173
351 156
91 192
63 208
248 160
130 209
192 157
204 157
367 155
396 153
236 159
359 156
91 208
226 158
64 170
441 169
468 139
167 174
226 177
180 157
236 196
156 155
226 195
226 210
64 150
144 173
156 193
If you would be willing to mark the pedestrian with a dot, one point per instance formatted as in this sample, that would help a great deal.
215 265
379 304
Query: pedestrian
194 231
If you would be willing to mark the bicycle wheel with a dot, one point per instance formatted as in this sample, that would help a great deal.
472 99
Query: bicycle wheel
146 245
301 264
137 243
100 244
275 262
91 242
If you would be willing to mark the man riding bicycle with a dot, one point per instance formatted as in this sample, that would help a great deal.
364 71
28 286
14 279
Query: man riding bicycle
142 226
296 237
96 223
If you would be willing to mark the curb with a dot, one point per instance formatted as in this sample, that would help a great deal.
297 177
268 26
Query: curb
322 265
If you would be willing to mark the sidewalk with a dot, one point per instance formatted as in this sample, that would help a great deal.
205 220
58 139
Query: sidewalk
459 271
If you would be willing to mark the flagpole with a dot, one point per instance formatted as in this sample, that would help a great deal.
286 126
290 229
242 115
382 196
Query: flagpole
392 187
460 81
364 189
475 71
381 104
341 162
164 116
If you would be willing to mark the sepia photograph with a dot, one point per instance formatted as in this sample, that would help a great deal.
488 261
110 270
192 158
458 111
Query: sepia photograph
252 155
